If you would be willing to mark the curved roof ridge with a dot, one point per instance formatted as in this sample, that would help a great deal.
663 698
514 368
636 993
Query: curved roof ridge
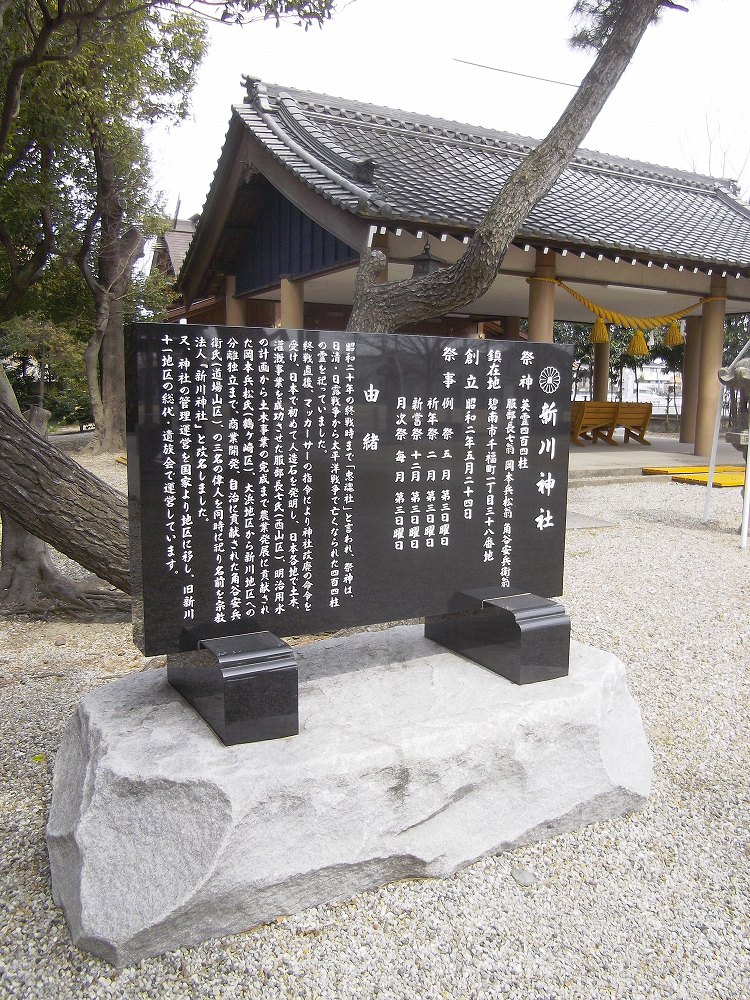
433 172
331 102
461 131
257 93
360 168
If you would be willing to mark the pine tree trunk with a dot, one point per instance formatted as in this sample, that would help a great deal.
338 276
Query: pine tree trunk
25 564
56 499
383 308
30 583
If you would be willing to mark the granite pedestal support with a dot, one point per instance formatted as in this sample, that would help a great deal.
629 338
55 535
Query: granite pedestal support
243 686
411 761
523 637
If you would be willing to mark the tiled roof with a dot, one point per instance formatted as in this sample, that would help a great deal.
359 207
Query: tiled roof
396 166
176 242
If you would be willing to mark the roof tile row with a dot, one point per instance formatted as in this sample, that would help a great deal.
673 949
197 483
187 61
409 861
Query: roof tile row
443 173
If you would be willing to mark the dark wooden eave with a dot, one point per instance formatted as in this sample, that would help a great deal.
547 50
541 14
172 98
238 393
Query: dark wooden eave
232 204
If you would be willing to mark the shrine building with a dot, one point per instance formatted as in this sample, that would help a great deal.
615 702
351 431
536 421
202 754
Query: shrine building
306 182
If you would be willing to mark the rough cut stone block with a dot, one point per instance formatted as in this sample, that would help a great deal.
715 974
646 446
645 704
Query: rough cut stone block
411 761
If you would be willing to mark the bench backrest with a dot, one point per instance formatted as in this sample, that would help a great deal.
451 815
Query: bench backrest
596 414
636 414
589 415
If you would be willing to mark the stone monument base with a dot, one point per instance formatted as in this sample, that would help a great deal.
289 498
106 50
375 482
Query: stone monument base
411 762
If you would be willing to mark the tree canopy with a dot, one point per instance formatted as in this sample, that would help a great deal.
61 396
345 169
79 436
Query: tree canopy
34 33
118 62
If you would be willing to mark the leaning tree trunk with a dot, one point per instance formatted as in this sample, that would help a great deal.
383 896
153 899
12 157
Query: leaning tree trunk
27 574
384 307
43 492
54 498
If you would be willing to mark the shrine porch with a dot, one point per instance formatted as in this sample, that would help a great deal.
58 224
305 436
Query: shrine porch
598 460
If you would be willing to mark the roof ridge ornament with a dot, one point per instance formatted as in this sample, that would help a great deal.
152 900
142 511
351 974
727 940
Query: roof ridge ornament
257 93
285 127
359 168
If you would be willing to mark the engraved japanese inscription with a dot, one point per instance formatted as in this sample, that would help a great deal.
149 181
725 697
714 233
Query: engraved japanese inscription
302 481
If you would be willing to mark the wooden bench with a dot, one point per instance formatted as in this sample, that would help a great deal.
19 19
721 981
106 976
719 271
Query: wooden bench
592 421
634 419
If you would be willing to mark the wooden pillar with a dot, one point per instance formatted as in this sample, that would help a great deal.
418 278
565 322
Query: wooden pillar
690 369
542 299
292 304
709 387
234 309
601 373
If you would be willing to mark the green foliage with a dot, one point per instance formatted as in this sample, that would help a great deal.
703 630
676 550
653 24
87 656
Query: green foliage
619 359
39 160
672 358
76 156
130 74
44 364
305 12
577 334
594 20
148 298
93 73
129 71
736 335
137 70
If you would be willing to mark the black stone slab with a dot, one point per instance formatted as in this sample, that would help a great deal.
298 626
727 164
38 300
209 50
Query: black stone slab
302 481
243 686
522 637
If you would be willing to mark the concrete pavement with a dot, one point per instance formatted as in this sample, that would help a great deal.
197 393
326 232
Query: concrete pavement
625 461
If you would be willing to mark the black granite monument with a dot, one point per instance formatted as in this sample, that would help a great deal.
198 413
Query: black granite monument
291 481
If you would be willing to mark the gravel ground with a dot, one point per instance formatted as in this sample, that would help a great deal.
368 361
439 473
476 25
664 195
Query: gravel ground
651 905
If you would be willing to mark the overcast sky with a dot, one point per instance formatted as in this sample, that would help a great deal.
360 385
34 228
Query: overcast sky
681 103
